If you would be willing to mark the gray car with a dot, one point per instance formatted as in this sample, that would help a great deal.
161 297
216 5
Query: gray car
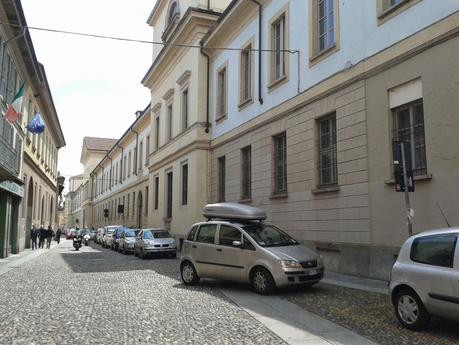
154 241
234 244
425 278
127 240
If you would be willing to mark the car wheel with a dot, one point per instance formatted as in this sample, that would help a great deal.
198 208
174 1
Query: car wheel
262 281
410 310
188 273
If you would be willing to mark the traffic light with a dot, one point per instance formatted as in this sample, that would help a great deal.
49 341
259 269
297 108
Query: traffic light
106 212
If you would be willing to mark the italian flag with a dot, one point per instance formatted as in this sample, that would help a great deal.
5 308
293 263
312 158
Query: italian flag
14 110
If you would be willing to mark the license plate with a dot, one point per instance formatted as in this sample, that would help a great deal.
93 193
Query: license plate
312 272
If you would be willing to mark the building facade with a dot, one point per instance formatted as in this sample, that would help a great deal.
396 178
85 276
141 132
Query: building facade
28 182
180 133
303 120
120 180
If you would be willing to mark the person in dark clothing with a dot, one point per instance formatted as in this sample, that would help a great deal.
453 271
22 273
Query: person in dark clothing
49 237
58 235
41 241
34 236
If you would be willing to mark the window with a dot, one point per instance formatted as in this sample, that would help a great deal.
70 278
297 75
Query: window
280 163
127 205
325 25
156 192
184 184
192 233
436 250
221 179
409 127
278 47
246 172
140 156
147 151
169 122
185 109
124 167
328 170
146 200
157 133
228 234
133 204
247 244
169 177
221 92
206 233
246 74
173 13
129 164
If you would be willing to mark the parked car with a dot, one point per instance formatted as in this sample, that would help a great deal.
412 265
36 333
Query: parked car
155 241
116 238
127 240
93 234
107 237
425 278
235 244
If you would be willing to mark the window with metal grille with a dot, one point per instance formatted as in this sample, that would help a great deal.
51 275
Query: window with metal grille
185 184
156 192
278 39
246 172
409 127
326 25
169 195
221 178
280 163
328 167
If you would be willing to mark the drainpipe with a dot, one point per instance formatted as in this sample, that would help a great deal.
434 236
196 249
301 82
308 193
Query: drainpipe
136 149
260 7
207 88
121 161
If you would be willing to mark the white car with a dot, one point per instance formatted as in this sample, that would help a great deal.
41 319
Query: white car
425 278
107 237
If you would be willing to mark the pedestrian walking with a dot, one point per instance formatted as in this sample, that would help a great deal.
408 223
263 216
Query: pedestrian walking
49 236
35 233
42 232
58 235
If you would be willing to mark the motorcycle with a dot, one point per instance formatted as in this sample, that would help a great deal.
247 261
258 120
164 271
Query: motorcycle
77 242
86 239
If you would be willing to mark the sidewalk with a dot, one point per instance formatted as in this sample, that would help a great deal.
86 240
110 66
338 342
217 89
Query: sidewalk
365 284
16 260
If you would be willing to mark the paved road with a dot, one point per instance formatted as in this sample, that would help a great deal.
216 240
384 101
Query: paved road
97 296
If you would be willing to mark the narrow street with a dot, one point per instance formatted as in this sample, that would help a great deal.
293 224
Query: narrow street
97 296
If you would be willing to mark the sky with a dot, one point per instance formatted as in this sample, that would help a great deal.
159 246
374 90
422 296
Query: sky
95 83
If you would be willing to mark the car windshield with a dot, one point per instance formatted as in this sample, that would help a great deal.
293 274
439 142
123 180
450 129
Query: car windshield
269 236
149 234
129 233
110 231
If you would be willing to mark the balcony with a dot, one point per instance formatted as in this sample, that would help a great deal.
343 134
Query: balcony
9 160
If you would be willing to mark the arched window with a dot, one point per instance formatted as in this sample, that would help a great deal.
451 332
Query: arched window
173 12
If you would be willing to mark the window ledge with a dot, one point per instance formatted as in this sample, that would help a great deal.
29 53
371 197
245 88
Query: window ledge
220 118
245 201
322 54
329 189
245 103
280 195
426 177
278 82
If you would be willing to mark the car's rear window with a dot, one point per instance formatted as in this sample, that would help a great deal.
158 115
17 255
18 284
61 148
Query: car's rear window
436 250
161 234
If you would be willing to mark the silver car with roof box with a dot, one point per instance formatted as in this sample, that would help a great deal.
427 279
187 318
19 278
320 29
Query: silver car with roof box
235 244
425 278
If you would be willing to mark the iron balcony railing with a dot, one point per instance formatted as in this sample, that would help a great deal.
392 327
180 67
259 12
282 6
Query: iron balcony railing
9 159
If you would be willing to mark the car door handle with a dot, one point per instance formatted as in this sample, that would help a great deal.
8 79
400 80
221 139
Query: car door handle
193 246
219 250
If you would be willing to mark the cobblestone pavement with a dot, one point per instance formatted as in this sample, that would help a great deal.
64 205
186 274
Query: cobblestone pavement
97 296
369 314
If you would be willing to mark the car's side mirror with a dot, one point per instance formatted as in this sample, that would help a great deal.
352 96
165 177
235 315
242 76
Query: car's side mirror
237 244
